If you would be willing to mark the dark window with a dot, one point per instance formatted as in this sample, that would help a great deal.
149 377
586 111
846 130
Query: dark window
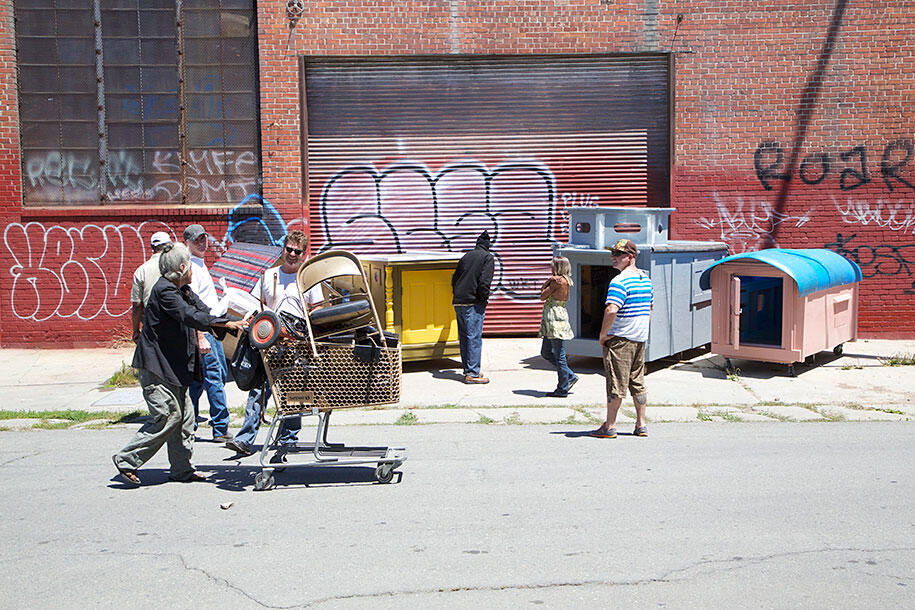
138 101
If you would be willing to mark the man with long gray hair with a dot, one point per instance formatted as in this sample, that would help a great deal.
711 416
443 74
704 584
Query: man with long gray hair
167 360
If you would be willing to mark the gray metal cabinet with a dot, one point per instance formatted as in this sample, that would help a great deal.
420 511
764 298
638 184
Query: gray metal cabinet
681 318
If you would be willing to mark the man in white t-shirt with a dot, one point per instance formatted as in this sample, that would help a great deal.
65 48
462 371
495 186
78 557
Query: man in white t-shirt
215 370
144 278
277 290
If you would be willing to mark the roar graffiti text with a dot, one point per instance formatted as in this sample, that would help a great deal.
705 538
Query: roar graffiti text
853 166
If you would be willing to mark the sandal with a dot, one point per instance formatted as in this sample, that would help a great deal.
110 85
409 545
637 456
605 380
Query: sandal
128 474
603 432
194 477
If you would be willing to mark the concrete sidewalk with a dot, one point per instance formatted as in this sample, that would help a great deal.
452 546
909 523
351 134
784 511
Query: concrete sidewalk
855 386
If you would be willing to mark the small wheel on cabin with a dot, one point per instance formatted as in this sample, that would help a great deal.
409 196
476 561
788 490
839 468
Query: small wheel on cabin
792 371
837 350
263 481
727 365
384 473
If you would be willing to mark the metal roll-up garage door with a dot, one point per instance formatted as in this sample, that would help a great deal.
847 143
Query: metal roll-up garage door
425 153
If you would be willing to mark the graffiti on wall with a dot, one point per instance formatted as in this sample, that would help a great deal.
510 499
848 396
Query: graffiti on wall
848 169
750 223
212 175
877 259
895 216
86 271
408 206
73 272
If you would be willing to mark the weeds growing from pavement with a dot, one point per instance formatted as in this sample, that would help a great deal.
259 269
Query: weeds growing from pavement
408 418
126 376
898 360
484 420
703 416
514 419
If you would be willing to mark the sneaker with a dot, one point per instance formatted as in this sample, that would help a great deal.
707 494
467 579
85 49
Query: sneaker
239 448
222 438
477 379
571 383
603 432
640 431
557 394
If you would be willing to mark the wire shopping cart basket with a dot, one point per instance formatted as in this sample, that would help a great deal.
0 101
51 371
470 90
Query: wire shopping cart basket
336 357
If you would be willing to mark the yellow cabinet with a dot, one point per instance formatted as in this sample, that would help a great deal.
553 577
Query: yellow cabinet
412 293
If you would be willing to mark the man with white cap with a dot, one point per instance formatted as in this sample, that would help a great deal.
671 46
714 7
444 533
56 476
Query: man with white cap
144 278
215 370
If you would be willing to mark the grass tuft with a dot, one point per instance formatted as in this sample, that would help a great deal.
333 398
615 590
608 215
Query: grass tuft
408 418
898 360
126 376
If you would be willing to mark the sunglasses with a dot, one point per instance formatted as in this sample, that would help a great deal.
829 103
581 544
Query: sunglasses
295 251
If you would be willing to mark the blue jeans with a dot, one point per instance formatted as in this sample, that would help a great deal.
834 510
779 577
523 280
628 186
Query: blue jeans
554 352
470 332
289 429
215 372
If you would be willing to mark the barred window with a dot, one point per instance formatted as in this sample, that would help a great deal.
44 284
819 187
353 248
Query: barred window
138 101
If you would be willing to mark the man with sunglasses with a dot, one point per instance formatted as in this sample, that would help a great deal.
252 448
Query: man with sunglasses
623 334
277 290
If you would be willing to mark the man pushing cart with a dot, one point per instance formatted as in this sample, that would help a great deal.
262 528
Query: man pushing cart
334 356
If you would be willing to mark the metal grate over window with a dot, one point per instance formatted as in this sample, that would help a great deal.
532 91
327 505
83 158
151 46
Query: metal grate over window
138 101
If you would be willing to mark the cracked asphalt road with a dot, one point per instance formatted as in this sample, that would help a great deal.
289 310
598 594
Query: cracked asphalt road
761 514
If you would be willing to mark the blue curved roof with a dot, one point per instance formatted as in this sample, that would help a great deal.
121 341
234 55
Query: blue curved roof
813 269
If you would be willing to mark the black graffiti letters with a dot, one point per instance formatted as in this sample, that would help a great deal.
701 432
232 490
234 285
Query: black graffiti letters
766 166
890 165
876 259
809 172
851 165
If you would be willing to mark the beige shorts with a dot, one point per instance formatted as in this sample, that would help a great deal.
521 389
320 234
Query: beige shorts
624 365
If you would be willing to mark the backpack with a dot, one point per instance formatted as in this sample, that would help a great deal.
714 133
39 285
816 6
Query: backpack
247 364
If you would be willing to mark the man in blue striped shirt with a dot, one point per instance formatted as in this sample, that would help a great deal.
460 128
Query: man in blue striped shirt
623 334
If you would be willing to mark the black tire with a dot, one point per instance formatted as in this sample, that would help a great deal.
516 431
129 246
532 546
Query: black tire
384 473
837 350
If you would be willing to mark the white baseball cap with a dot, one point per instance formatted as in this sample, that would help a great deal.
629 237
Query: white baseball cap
159 238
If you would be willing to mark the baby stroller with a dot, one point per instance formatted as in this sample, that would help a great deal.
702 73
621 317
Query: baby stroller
336 357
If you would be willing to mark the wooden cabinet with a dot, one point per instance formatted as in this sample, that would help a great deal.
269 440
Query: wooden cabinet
412 293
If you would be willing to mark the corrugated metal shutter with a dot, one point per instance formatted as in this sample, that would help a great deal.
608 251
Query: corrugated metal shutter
409 154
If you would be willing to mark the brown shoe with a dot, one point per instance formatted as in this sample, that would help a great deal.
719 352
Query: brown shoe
478 379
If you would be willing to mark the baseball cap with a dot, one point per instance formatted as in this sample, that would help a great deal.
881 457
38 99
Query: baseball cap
158 238
193 232
626 246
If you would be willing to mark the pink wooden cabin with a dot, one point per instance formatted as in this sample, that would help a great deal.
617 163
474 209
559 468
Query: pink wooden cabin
782 305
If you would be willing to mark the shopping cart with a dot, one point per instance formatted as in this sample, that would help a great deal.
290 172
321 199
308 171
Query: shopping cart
336 357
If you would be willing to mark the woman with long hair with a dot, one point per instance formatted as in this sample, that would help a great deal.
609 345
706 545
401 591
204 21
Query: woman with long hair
554 324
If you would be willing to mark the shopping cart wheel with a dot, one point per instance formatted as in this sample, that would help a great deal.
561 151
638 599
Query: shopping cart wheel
837 350
263 481
384 473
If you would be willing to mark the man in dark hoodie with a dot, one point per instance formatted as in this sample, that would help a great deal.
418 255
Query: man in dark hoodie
470 285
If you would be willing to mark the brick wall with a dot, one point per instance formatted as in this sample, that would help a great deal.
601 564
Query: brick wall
793 124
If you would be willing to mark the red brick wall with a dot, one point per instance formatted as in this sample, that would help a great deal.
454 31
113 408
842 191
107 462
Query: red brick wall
825 86
753 81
